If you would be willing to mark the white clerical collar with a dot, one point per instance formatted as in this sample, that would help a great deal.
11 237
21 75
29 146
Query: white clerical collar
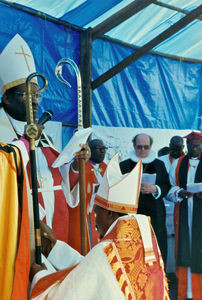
151 157
19 126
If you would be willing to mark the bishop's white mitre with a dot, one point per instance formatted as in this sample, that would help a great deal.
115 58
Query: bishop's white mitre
16 64
118 192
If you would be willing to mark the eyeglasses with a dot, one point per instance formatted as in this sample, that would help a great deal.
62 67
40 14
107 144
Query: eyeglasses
140 147
37 96
100 148
194 146
176 148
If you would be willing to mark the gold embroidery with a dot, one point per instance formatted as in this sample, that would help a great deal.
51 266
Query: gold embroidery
24 54
136 279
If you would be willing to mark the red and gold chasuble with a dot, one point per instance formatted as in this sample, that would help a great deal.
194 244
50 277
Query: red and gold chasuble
126 255
74 213
138 277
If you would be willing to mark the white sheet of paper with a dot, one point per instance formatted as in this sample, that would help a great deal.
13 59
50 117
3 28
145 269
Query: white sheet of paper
195 187
79 137
148 178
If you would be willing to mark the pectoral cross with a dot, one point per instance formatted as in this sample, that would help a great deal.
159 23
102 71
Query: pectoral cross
24 54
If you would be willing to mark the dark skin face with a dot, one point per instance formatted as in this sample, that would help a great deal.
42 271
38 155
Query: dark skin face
98 151
104 219
15 104
176 146
176 150
194 148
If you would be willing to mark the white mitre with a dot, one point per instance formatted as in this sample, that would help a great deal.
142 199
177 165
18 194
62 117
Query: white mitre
16 64
119 192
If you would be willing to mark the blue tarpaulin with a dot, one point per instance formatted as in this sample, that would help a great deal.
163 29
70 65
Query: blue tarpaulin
138 29
153 92
156 91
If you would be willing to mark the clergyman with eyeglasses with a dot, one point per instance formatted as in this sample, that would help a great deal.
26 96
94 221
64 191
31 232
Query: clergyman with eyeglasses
54 187
151 195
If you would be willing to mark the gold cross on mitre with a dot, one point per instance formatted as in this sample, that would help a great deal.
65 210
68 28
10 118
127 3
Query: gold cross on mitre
24 54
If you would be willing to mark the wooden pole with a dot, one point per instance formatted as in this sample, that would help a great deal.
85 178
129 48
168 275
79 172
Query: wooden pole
83 224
